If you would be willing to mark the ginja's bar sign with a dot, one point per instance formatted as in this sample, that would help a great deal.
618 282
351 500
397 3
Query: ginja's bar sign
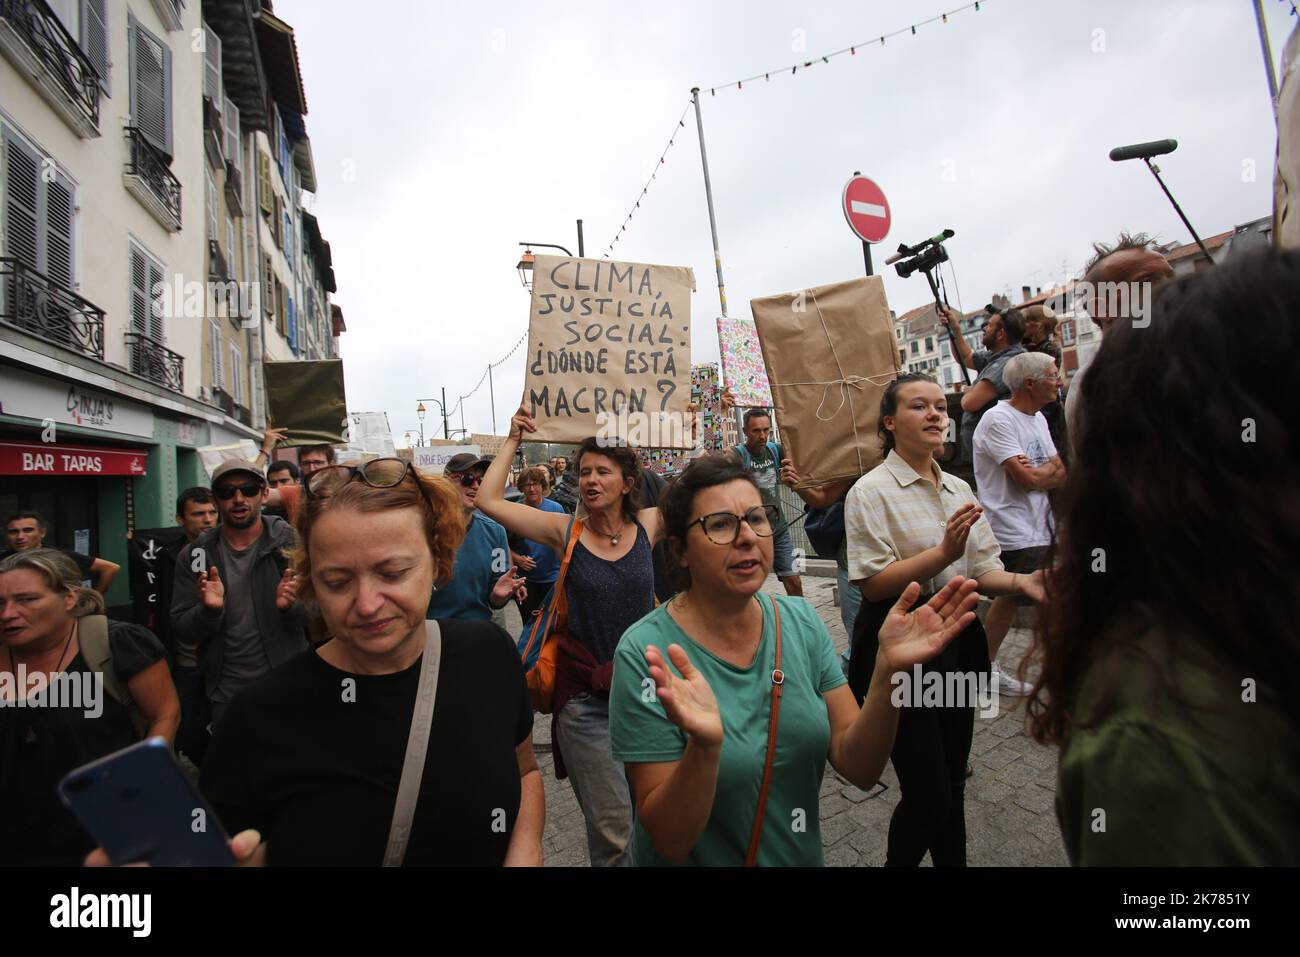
55 459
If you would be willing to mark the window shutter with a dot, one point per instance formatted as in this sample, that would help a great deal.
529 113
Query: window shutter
211 202
233 152
58 231
282 321
214 347
139 292
268 286
211 66
151 87
264 182
236 374
22 202
293 323
156 278
230 247
94 38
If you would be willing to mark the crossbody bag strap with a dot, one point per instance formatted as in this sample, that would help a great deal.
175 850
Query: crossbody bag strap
575 532
778 680
417 747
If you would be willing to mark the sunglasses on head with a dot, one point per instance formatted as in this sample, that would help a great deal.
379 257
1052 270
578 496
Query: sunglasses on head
248 489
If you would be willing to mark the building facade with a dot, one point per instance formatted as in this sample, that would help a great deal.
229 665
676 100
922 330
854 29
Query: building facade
133 322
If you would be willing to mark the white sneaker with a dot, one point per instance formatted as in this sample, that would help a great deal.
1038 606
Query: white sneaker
1008 685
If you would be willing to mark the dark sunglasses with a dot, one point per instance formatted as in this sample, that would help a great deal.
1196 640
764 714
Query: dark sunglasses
469 479
227 492
721 528
377 473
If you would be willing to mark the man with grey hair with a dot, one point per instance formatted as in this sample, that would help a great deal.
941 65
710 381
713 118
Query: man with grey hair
1132 264
1016 463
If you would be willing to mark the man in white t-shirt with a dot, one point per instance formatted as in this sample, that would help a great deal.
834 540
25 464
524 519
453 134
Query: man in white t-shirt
1016 463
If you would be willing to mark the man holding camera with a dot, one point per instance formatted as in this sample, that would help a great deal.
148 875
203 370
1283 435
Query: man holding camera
1004 332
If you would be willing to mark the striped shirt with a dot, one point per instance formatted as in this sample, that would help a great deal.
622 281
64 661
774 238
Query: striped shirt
891 513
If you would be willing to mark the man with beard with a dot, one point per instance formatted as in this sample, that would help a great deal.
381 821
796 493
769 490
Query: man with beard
1004 331
235 613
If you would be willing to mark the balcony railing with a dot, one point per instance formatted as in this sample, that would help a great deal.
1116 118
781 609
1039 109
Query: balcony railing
150 179
155 362
35 304
41 47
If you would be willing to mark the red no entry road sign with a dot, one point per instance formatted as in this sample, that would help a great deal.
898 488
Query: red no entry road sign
866 209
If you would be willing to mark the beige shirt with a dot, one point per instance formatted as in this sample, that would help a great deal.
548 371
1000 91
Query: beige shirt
891 513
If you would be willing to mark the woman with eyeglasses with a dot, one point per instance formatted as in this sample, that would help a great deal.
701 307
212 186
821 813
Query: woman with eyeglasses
697 681
610 585
311 755
540 565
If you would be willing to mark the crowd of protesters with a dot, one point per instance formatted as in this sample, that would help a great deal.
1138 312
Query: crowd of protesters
1151 516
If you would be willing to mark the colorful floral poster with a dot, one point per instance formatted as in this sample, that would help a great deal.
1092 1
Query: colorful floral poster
742 363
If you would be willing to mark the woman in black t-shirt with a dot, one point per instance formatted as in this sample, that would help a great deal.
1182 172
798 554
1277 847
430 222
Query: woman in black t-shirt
310 756
66 718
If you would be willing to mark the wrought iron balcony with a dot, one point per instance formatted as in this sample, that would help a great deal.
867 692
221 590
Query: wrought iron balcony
217 268
149 178
40 47
155 362
35 304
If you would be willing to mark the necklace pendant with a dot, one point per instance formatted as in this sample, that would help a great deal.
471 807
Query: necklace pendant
615 539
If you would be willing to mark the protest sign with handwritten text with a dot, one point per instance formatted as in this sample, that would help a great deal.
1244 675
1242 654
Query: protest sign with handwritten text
609 352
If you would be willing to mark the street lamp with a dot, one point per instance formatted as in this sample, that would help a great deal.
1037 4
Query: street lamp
420 410
526 261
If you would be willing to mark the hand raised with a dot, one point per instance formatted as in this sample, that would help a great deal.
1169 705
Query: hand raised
507 585
212 591
957 531
521 422
688 701
286 592
911 637
789 475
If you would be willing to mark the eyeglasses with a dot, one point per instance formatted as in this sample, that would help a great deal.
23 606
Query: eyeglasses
723 527
377 473
470 479
227 492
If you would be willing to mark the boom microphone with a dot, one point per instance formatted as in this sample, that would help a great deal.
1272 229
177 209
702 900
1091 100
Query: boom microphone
1143 150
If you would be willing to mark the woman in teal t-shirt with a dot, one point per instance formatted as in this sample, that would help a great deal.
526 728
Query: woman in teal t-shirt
693 733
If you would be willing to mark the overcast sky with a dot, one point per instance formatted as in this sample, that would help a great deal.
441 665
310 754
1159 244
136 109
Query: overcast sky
445 134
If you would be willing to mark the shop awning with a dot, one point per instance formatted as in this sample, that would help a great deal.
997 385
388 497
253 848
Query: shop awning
58 459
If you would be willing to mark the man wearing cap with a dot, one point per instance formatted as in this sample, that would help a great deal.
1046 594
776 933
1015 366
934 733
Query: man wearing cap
483 579
235 611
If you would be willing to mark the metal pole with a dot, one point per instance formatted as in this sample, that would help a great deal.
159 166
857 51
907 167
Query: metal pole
1268 52
708 195
446 433
580 252
493 396
1155 171
866 256
461 403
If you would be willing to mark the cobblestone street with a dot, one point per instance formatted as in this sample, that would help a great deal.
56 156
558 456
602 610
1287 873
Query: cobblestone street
1010 820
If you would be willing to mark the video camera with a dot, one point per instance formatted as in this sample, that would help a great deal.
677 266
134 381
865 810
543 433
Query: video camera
925 255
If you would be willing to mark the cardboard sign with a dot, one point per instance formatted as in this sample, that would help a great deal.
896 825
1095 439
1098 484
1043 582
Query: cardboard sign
830 352
609 352
306 397
433 459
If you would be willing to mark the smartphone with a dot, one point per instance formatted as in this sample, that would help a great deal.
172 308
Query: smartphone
139 807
